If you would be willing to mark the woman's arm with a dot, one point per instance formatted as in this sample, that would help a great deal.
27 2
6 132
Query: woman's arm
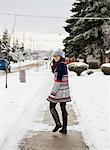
61 70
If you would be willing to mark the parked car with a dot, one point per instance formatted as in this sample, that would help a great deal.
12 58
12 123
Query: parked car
5 65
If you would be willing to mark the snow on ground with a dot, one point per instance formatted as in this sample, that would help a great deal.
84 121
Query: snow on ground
106 65
21 105
91 99
27 62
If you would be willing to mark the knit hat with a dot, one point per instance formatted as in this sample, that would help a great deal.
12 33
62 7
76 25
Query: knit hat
60 53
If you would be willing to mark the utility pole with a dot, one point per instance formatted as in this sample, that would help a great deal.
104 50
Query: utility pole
33 45
14 28
30 46
24 39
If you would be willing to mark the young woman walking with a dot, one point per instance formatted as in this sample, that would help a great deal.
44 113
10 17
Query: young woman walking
60 91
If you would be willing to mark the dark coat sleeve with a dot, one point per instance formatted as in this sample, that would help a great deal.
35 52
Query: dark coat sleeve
61 70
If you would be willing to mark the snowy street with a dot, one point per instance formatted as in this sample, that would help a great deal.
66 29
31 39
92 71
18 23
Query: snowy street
22 104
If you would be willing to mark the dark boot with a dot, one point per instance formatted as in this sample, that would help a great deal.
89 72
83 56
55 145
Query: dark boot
64 128
56 119
56 128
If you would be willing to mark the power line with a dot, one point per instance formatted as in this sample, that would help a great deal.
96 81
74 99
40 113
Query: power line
31 16
53 17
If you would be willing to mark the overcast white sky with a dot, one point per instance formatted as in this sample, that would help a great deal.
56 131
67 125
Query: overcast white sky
38 29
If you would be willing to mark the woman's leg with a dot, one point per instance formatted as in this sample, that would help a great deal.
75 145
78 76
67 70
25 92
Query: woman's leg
64 117
55 116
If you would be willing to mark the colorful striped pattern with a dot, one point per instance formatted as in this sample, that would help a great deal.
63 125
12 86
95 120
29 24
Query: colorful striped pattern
60 91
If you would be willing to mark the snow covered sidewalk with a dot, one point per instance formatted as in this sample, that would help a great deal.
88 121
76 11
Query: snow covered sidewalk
45 139
20 103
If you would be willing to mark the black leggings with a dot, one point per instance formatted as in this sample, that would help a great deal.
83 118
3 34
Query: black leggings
62 106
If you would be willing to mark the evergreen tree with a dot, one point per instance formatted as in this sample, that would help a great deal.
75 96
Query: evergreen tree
5 38
106 35
0 42
16 52
85 35
5 44
22 47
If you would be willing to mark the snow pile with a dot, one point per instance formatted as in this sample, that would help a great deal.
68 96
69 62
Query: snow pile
106 68
106 65
77 67
79 64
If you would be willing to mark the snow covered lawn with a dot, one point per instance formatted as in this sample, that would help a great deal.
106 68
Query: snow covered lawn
21 105
91 99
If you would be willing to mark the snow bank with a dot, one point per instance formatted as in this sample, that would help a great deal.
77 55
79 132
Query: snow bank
105 65
90 96
78 64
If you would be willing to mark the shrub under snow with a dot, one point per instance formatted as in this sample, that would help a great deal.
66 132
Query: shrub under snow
94 64
78 67
106 68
